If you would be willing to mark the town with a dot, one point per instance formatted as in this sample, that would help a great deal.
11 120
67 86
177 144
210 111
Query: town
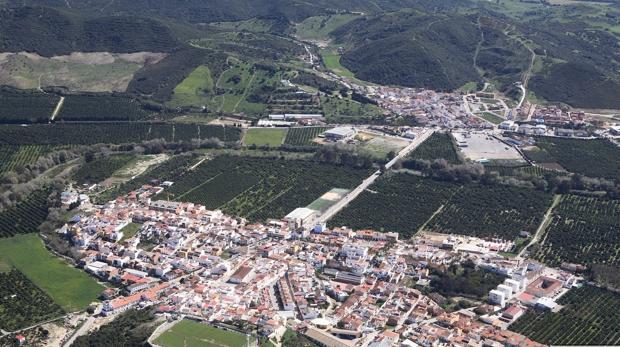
336 286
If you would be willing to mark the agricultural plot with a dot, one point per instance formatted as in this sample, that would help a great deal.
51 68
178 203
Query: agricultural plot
26 107
583 230
195 90
101 108
397 203
303 136
25 216
590 316
169 170
13 156
380 147
69 287
438 146
522 171
100 169
272 137
22 303
491 211
127 132
593 158
261 188
194 334
291 100
331 60
349 111
319 27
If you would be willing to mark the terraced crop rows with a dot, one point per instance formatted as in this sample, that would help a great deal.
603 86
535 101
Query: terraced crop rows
583 230
25 216
303 136
590 316
12 156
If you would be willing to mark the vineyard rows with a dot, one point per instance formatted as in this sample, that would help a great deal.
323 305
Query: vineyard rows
169 170
438 146
13 156
92 133
522 171
25 216
22 303
398 203
303 136
261 188
18 108
593 158
590 316
100 169
583 230
101 108
403 203
492 211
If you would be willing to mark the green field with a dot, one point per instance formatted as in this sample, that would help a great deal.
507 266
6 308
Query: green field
332 62
188 333
319 27
130 231
69 287
273 137
488 116
195 89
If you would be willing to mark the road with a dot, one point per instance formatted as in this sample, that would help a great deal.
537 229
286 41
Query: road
83 330
541 227
58 108
333 210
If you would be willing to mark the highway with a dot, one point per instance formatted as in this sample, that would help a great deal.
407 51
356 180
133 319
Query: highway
333 210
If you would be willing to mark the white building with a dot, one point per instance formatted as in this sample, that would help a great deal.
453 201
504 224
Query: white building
497 298
507 290
514 285
340 133
508 125
301 217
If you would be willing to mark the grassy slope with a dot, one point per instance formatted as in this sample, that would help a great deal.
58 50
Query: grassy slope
194 89
69 287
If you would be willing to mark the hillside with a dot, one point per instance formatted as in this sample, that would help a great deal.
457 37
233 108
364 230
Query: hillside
54 32
411 49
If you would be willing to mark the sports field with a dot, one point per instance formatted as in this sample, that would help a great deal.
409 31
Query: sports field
261 137
188 333
69 287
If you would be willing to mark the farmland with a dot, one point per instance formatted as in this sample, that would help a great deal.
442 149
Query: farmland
491 211
349 111
590 316
100 108
70 288
193 334
167 171
100 169
438 146
195 89
86 133
261 188
398 203
319 27
12 156
23 304
583 230
303 136
26 107
593 158
273 137
25 216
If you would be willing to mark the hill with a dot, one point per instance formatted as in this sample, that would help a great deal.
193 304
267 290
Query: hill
411 49
52 31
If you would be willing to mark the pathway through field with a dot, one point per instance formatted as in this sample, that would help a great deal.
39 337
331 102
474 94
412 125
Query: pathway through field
58 108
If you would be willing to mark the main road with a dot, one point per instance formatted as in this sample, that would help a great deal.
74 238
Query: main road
337 207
